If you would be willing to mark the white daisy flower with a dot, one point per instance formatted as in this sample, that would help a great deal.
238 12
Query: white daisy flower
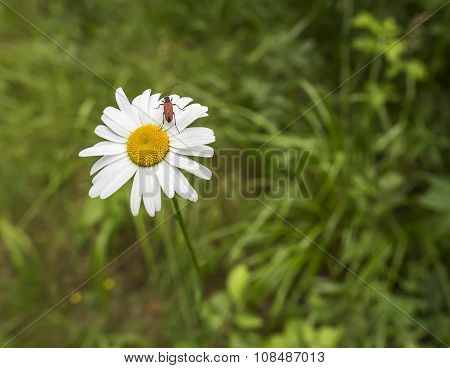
140 143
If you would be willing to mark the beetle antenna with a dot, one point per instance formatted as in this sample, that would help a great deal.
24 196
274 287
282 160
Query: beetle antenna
170 90
173 85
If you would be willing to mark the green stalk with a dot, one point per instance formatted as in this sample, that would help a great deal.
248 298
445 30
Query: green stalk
187 240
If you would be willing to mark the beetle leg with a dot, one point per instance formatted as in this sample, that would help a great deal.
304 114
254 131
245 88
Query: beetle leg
179 107
175 120
157 107
162 125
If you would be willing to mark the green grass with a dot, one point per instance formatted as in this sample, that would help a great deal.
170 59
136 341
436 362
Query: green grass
378 175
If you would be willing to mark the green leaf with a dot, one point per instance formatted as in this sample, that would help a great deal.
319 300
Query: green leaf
18 244
248 321
437 198
237 283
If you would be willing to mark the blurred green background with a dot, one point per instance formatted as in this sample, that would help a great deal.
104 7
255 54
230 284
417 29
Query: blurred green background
378 175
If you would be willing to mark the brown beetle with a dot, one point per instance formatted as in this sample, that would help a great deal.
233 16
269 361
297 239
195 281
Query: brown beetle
168 109
168 113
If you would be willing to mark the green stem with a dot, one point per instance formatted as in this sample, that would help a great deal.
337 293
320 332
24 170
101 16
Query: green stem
186 238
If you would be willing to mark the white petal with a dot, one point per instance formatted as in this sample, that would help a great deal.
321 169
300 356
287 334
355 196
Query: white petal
125 106
148 184
183 102
193 132
106 133
157 194
142 105
102 143
105 148
136 194
153 189
136 103
155 110
197 151
174 98
192 137
192 113
189 165
172 127
155 100
122 177
95 191
112 122
104 161
182 186
121 119
111 170
162 171
106 175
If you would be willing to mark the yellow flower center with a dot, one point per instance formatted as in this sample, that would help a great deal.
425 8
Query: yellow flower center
147 145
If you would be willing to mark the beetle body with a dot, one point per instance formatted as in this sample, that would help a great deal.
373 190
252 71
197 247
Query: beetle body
168 109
